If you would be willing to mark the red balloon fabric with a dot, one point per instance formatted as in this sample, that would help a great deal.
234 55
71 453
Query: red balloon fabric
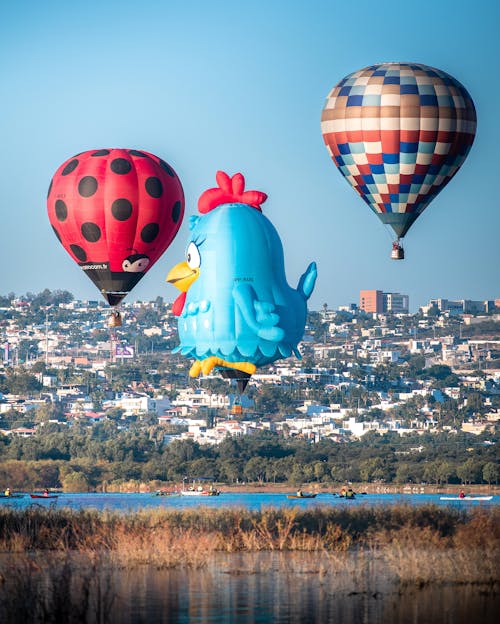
115 211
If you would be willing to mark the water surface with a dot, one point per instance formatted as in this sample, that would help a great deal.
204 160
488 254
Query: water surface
251 501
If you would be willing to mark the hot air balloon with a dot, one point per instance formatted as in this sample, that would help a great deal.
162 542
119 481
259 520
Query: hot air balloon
236 310
115 211
398 133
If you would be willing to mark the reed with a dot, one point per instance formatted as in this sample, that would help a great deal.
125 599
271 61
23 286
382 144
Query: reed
65 566
189 538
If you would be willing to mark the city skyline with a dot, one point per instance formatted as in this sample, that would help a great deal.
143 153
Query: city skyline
241 88
381 301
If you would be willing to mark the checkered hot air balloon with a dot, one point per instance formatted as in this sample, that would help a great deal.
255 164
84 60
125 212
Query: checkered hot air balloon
398 133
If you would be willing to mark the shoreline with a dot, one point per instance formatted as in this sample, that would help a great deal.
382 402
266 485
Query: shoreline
321 488
283 488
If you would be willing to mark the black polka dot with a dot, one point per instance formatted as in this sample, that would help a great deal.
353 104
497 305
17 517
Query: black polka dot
138 153
121 209
167 168
50 187
149 232
79 252
91 232
57 234
71 166
61 210
103 152
176 211
154 187
120 166
87 186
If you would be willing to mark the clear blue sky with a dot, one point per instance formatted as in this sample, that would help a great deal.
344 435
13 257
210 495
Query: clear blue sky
239 86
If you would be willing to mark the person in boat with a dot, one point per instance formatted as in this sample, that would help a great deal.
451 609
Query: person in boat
462 494
299 492
7 492
349 493
46 492
342 492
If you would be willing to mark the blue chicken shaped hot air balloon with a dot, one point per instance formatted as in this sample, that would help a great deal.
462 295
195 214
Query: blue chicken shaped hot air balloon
237 311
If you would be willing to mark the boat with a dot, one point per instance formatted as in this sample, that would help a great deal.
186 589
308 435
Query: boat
44 495
466 498
198 490
166 493
11 495
304 495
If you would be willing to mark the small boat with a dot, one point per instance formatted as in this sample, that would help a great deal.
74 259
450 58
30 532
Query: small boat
198 490
43 495
11 495
201 492
305 495
466 498
166 493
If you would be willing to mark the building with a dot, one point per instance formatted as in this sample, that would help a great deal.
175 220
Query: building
371 301
462 306
396 303
378 302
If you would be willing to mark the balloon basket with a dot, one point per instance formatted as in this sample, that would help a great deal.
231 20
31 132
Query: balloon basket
397 253
115 319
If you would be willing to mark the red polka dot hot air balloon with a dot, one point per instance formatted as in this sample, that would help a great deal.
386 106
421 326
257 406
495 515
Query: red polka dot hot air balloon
115 211
398 133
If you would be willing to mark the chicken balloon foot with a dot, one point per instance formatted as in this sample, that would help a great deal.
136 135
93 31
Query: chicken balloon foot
208 364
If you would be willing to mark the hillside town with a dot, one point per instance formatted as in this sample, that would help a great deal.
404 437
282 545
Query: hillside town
367 367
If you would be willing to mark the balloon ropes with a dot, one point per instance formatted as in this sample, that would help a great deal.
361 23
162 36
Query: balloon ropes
398 133
236 310
115 211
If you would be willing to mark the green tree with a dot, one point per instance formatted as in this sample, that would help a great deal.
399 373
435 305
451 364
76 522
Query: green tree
491 472
372 469
255 469
444 471
74 481
469 471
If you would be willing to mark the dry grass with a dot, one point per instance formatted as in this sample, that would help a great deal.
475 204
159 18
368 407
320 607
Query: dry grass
65 566
424 544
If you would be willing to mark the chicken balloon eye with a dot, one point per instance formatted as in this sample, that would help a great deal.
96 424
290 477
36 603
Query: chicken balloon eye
193 256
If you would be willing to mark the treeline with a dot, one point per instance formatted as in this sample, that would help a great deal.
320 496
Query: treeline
43 299
103 456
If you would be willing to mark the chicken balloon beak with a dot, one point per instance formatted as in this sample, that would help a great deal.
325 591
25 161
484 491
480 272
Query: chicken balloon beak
182 276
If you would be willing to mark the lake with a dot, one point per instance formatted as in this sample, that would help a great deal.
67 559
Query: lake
240 588
258 588
252 501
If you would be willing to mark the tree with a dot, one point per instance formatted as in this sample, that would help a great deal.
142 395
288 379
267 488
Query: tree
475 403
255 469
469 471
444 471
19 381
491 473
372 469
74 482
404 473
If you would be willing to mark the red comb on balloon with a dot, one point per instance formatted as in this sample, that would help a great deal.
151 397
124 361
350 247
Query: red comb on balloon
230 191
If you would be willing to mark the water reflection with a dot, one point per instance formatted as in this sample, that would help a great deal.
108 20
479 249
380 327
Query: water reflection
241 589
272 588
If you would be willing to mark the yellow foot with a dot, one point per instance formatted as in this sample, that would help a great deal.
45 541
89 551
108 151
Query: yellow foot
195 369
207 365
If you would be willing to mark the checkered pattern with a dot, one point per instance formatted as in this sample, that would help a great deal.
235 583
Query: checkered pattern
398 132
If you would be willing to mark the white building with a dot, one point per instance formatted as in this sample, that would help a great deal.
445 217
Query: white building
201 398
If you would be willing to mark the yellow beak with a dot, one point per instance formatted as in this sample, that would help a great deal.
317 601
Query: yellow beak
182 276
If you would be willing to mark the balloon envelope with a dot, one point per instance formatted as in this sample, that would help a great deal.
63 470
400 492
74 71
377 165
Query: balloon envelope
398 133
115 211
236 304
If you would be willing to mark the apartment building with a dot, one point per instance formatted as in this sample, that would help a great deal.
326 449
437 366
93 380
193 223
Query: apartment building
378 302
